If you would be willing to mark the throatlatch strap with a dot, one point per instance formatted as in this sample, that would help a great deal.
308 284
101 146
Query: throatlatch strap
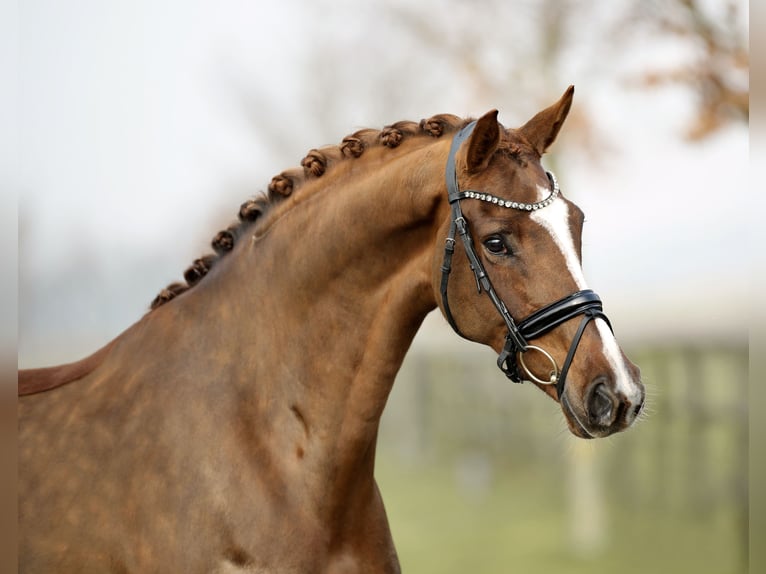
449 250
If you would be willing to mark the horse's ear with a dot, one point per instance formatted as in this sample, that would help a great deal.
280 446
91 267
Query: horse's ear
542 129
483 143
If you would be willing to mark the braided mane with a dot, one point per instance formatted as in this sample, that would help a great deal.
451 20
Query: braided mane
315 164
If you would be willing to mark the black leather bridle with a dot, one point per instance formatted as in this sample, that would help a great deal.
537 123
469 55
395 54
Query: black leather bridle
511 358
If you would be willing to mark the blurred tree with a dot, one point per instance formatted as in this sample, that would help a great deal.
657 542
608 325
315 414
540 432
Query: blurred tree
563 39
718 71
515 54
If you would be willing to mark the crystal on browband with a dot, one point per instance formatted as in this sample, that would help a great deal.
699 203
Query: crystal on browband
521 206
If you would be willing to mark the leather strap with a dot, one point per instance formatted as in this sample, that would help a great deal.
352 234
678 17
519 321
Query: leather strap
449 250
548 318
459 226
588 316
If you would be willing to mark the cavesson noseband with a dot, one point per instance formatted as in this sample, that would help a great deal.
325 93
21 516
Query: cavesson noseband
542 321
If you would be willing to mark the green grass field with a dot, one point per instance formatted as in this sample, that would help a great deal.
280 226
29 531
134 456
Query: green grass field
520 523
479 475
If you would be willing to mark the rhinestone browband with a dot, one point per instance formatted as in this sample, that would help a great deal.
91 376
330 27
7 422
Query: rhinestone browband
516 204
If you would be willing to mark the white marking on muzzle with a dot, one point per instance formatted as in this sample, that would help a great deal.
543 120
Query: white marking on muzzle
555 220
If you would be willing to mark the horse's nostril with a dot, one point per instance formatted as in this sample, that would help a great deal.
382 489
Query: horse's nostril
601 404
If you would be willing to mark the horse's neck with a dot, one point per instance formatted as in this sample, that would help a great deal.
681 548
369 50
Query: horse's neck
313 313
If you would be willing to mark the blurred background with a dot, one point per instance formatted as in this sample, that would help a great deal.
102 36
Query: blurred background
143 126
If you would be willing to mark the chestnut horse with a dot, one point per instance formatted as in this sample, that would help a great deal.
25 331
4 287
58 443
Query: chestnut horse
233 428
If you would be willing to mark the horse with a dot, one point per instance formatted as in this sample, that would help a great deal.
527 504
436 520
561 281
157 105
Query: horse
233 427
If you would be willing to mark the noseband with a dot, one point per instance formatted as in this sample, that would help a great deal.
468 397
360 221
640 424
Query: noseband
511 358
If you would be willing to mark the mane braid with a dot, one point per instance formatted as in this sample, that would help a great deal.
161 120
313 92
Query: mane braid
315 164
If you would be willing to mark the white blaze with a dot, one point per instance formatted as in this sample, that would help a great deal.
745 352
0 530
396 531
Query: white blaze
555 220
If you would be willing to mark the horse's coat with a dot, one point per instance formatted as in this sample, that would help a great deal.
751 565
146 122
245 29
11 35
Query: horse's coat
233 428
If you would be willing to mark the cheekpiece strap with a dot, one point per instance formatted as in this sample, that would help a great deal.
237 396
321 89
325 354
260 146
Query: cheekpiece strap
459 226
450 173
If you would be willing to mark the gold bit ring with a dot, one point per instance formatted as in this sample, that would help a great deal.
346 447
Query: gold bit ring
554 373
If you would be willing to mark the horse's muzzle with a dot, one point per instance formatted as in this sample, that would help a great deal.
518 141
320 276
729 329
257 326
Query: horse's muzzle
605 410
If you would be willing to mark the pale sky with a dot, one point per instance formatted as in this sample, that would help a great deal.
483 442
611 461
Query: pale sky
140 134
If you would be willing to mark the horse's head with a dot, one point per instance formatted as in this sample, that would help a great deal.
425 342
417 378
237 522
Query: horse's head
516 282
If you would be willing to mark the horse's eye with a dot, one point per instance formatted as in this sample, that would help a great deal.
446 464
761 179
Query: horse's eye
496 245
